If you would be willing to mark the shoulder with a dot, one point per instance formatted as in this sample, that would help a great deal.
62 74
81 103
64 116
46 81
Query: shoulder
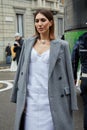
28 42
63 43
21 41
32 38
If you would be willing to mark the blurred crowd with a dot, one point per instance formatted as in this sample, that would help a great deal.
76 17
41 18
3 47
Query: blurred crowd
13 52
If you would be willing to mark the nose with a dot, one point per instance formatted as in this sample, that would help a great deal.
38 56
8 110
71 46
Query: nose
39 23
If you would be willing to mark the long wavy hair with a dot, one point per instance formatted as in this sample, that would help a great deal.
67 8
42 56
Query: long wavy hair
48 14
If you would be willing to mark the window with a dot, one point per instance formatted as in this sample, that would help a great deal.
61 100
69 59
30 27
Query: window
20 24
60 27
61 1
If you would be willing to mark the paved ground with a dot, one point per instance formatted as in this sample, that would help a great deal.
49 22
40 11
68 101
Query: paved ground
7 109
78 115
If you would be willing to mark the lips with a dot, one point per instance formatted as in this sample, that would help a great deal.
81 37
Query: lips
40 29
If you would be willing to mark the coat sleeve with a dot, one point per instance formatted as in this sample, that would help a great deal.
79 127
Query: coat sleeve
75 59
70 77
15 86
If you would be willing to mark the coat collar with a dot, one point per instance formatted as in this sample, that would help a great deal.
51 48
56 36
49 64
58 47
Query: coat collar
54 51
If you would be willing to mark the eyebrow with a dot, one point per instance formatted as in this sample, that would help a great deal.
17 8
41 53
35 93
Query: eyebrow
40 18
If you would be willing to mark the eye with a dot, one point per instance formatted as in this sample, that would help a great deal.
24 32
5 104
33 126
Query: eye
36 20
43 19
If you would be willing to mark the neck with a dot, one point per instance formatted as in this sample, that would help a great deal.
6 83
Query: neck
44 37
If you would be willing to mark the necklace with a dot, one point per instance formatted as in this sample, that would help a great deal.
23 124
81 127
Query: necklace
43 41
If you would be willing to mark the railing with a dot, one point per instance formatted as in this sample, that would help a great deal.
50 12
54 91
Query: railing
54 5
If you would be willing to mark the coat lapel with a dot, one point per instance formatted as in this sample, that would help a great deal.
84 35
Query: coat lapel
54 51
30 43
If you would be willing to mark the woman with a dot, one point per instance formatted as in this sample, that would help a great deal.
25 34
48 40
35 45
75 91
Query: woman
44 85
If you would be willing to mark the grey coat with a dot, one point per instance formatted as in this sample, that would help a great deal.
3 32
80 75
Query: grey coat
62 96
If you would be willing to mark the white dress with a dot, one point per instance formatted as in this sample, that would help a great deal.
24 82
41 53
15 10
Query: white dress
38 115
13 66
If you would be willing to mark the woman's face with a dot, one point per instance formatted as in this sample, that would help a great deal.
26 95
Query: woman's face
42 24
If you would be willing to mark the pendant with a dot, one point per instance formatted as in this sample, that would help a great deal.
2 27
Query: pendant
43 41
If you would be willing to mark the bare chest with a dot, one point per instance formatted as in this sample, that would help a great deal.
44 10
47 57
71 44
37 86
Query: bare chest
41 48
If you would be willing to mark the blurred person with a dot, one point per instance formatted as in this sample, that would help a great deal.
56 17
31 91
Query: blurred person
44 86
8 53
80 53
13 62
18 46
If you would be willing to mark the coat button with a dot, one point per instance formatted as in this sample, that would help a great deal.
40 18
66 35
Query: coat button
60 78
59 59
62 95
21 73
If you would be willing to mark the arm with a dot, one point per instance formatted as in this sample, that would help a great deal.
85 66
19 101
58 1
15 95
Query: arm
70 77
75 59
6 51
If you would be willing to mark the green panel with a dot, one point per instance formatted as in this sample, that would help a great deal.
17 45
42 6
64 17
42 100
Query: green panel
72 36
